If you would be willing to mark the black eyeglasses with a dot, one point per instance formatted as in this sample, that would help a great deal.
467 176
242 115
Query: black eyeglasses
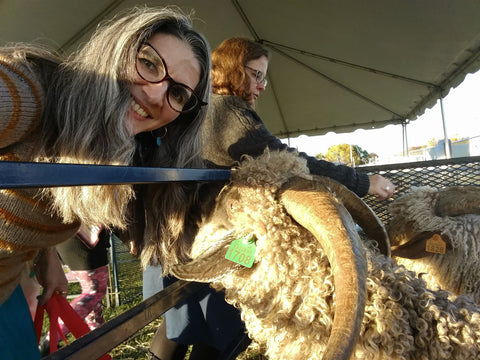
152 68
259 77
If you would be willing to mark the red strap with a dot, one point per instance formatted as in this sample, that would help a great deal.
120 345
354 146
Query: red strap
58 307
38 322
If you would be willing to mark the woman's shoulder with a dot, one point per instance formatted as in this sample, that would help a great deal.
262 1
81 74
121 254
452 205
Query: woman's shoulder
229 101
13 67
22 96
28 59
230 108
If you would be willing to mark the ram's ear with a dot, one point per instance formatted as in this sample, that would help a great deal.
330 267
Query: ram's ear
208 268
416 247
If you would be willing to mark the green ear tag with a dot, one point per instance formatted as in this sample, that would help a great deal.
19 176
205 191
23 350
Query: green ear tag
242 251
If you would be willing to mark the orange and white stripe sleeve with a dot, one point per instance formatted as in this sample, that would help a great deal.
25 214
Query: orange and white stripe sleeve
20 102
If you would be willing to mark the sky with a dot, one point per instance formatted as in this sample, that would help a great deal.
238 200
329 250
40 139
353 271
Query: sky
462 117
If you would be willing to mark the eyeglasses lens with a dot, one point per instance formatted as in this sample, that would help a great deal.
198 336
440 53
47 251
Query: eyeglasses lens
181 98
150 65
260 78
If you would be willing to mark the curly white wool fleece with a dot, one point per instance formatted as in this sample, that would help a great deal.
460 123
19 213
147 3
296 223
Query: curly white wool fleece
458 270
287 299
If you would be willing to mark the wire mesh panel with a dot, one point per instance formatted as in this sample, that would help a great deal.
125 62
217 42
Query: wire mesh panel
437 174
126 274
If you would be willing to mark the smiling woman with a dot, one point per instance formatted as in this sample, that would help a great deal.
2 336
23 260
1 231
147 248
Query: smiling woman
92 108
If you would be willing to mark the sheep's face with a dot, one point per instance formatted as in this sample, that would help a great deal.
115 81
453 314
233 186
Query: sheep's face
240 210
421 217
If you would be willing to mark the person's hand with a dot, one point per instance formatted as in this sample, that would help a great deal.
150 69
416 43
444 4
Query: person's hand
133 248
380 187
50 275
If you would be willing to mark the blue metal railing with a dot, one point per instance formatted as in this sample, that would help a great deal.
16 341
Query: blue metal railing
30 174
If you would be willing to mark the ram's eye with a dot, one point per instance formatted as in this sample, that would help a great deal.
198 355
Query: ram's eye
232 205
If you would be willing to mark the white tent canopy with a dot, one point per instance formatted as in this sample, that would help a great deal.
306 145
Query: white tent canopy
335 66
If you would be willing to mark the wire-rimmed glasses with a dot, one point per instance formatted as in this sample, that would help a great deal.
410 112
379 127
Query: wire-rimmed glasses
151 67
259 76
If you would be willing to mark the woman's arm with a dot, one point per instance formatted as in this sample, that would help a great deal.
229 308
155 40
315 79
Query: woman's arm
236 129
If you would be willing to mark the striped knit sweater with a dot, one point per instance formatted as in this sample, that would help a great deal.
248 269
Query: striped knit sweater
25 223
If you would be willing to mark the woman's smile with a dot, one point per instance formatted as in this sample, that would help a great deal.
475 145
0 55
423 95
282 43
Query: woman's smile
137 109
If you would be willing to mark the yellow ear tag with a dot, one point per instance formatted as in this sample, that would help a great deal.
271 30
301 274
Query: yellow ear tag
436 245
242 251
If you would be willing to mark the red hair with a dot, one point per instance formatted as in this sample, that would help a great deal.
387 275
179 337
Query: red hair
228 66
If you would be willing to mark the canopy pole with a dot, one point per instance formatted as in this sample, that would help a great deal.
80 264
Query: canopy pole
351 156
448 155
405 139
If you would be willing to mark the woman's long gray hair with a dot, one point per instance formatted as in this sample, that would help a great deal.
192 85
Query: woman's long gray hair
84 117
167 237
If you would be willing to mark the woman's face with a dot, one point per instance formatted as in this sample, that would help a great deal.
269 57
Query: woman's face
252 67
149 108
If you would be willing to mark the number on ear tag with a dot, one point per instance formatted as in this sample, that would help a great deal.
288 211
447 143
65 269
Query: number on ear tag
436 245
242 251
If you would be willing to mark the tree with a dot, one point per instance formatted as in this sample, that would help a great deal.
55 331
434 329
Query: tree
372 157
432 142
345 153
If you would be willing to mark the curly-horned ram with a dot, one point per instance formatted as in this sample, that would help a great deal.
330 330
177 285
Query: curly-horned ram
437 232
315 290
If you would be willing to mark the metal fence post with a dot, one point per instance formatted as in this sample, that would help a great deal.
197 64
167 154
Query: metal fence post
113 263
